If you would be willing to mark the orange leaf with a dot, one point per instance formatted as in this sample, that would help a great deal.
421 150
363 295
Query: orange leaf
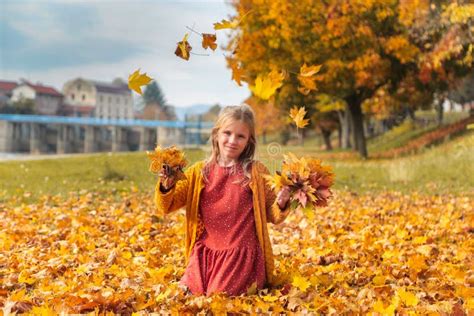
209 41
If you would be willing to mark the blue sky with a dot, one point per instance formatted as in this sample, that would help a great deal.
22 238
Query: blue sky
57 40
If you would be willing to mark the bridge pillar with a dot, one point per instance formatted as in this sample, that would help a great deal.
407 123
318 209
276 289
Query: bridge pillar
16 137
90 144
6 134
167 136
37 138
64 139
119 139
176 136
145 139
161 135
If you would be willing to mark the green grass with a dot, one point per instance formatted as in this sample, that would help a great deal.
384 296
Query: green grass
447 168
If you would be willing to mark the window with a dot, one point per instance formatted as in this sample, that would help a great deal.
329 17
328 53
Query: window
72 96
83 97
79 87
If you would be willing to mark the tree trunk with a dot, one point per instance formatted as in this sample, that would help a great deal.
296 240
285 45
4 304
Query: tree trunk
344 122
327 138
411 113
439 111
357 122
339 136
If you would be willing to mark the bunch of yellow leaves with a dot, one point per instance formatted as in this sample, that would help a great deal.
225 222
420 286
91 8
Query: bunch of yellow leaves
309 181
171 159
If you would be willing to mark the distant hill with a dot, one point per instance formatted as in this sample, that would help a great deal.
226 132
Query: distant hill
193 109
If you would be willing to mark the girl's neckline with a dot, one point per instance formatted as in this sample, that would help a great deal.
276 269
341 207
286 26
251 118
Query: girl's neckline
227 167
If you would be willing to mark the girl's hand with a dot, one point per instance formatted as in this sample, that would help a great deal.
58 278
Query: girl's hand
168 177
283 196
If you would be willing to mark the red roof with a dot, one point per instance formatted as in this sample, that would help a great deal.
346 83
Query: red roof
7 85
45 90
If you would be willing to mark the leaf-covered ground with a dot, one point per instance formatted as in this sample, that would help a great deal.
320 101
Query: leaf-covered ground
386 253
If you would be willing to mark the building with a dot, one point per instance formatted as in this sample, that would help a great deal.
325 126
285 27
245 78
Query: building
6 88
47 100
90 98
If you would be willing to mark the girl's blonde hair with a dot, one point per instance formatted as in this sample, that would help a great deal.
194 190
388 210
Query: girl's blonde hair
229 114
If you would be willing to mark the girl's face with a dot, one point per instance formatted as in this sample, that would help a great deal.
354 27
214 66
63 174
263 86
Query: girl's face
232 139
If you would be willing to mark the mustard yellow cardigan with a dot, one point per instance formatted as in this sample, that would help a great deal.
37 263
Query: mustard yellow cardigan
186 193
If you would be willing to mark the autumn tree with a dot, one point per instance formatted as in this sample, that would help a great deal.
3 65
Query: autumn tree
268 116
364 46
154 94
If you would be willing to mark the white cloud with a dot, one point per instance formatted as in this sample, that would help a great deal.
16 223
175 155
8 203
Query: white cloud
155 26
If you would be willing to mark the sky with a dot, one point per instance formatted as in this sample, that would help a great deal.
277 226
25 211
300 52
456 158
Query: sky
53 41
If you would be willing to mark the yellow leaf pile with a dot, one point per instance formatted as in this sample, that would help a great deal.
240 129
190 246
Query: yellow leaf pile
308 180
108 253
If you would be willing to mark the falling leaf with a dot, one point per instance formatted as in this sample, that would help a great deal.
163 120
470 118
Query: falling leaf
224 24
307 78
237 72
209 41
309 71
136 80
297 115
266 86
183 48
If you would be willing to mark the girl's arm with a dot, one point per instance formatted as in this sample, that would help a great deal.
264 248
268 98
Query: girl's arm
175 198
275 214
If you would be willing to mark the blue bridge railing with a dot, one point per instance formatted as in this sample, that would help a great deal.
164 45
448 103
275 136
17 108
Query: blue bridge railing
45 119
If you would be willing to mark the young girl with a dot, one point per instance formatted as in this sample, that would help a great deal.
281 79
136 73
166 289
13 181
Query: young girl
228 204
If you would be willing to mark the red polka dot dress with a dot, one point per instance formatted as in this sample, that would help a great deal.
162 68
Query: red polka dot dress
227 257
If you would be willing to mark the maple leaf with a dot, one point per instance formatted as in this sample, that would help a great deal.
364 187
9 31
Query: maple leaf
209 41
408 298
237 73
297 115
309 71
265 87
301 283
277 181
183 48
307 78
136 80
224 24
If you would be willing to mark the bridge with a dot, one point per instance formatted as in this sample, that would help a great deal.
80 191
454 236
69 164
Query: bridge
45 134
